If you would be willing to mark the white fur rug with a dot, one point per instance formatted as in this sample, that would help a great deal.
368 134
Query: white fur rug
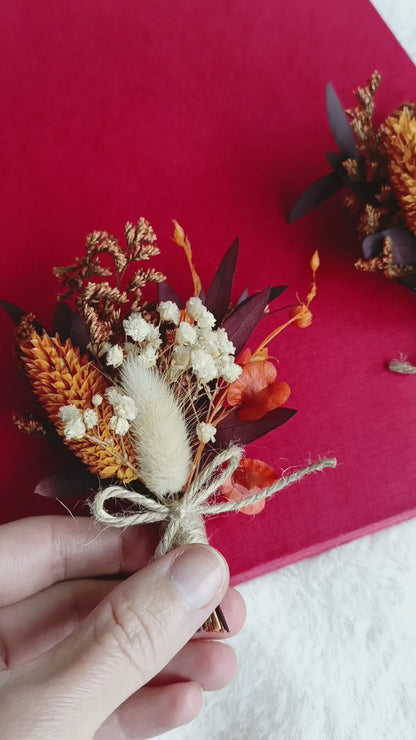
329 648
328 651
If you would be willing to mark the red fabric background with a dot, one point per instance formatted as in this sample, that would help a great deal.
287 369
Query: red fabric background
212 112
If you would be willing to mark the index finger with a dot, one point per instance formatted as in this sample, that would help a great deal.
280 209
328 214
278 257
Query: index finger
39 551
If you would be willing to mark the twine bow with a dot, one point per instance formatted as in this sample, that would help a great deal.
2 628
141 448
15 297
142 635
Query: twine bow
184 513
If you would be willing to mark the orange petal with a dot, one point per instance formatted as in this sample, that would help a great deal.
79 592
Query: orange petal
255 377
250 477
245 356
266 400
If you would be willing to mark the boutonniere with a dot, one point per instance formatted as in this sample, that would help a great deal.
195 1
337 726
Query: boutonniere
376 163
155 398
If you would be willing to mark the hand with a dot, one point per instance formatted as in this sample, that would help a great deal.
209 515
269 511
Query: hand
84 657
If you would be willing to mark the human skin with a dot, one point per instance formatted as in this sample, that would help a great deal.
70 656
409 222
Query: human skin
86 656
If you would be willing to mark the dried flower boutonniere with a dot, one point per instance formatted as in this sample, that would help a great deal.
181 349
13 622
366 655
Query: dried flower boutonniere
156 399
377 162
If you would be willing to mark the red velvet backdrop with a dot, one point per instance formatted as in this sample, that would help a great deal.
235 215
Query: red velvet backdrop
212 112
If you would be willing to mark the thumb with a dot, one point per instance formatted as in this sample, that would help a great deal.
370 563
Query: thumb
135 632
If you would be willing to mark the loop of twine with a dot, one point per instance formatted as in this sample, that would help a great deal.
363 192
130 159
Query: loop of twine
184 515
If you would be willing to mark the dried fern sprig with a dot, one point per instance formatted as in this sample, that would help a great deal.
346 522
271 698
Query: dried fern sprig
29 424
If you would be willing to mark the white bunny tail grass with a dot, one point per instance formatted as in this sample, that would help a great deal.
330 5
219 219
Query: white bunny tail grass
159 430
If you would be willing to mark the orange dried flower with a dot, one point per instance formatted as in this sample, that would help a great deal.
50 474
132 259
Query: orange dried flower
251 477
60 375
182 240
256 391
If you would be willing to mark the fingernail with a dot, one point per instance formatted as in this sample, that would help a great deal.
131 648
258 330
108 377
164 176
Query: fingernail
198 574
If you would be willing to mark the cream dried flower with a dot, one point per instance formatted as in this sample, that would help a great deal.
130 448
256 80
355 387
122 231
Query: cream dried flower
197 311
114 356
136 327
124 406
119 425
229 371
74 427
185 334
205 432
90 418
203 365
148 356
169 311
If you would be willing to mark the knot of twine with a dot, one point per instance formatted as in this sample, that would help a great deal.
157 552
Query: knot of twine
184 514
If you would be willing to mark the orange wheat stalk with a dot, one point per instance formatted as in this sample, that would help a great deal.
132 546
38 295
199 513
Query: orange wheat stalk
60 375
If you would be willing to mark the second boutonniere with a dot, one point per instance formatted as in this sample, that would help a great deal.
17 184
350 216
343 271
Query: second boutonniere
376 161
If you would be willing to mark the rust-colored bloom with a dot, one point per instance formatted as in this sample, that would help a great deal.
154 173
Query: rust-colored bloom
400 144
250 477
60 375
256 391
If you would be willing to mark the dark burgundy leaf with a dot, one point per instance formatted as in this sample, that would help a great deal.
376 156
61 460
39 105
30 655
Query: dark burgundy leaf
277 290
372 245
403 245
16 314
73 481
243 297
202 296
62 321
232 429
339 123
409 281
80 336
245 318
336 159
219 294
363 189
315 194
166 293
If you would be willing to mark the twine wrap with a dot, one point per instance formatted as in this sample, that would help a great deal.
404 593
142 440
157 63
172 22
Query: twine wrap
184 513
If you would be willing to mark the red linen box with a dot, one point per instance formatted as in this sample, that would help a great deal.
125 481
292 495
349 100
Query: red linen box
213 113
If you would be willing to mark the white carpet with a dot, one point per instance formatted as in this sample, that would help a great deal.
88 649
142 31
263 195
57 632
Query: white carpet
328 651
329 648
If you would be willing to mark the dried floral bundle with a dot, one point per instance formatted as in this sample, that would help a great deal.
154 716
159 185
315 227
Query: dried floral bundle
156 398
377 162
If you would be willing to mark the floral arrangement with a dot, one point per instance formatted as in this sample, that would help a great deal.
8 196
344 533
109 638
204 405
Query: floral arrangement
155 399
377 162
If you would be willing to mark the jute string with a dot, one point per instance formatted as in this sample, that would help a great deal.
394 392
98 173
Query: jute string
183 514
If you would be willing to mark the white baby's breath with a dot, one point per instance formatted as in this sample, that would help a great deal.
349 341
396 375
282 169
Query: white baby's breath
230 371
185 334
197 311
225 346
90 418
119 425
123 406
153 337
148 356
203 365
169 311
97 399
114 356
205 432
69 413
74 427
136 327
